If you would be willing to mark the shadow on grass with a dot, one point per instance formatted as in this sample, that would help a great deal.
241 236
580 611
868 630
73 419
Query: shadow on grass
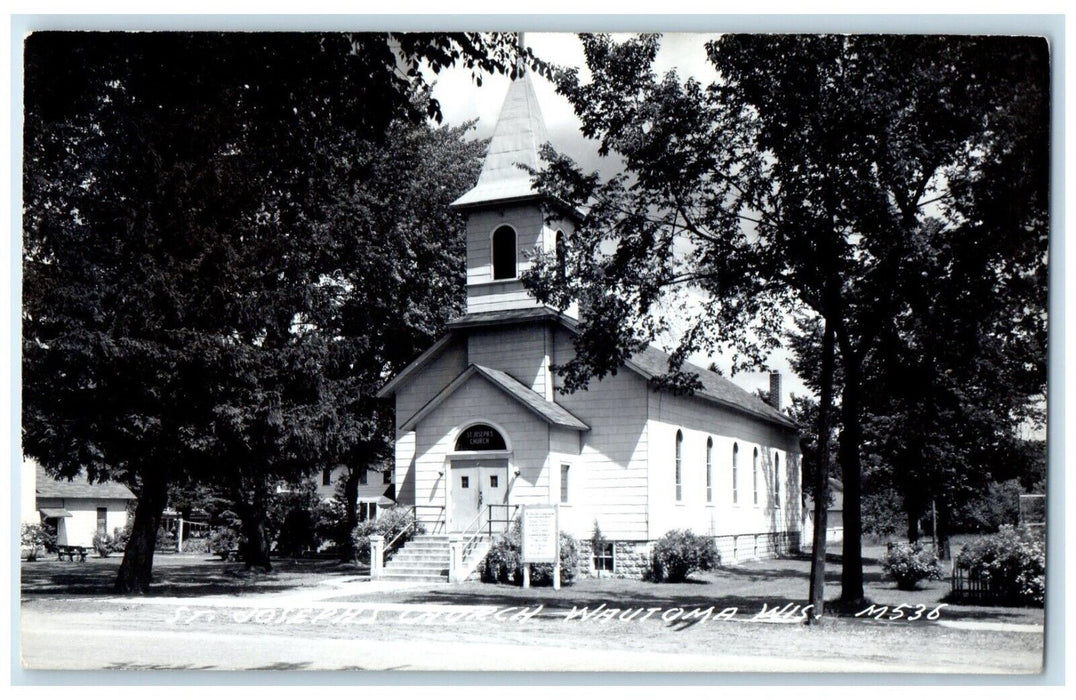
174 577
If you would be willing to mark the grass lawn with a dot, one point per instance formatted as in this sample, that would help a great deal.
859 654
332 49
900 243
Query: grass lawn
746 587
177 575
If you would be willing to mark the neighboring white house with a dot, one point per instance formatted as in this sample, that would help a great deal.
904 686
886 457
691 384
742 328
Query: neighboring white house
480 421
76 508
376 490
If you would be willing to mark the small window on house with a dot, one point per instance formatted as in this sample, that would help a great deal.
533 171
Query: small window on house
679 460
564 482
776 480
504 253
735 469
373 511
386 477
326 477
754 476
709 470
102 521
465 482
604 557
362 477
493 481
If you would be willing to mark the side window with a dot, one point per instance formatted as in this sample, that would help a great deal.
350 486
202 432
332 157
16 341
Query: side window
679 462
709 470
754 476
326 477
735 472
386 477
465 482
504 253
776 480
564 490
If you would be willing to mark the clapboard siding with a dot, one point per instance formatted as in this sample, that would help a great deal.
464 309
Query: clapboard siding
611 479
479 401
521 351
699 420
427 381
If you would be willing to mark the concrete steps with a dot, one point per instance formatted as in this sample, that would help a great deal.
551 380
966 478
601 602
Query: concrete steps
427 558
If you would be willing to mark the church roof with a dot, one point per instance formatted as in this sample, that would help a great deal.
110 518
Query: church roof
519 133
651 363
550 412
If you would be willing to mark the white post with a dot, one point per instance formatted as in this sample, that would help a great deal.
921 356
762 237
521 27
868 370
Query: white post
526 575
179 535
377 555
455 558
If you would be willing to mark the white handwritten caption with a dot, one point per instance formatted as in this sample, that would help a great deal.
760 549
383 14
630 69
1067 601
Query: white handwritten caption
360 615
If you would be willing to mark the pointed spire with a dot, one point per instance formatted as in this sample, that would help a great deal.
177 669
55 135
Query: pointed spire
519 133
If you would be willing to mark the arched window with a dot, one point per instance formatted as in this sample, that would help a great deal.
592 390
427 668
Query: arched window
754 476
679 455
735 469
480 437
776 480
709 470
504 253
562 255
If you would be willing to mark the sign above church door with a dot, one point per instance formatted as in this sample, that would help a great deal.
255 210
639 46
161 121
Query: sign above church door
480 437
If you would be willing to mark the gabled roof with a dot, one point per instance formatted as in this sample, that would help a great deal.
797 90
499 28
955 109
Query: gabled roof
519 133
431 353
550 412
651 362
79 487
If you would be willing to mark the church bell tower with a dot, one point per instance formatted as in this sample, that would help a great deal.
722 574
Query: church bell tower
505 220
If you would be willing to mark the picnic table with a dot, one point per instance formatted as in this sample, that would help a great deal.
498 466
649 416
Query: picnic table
63 550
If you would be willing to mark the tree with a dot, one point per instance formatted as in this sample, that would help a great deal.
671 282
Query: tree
811 174
175 244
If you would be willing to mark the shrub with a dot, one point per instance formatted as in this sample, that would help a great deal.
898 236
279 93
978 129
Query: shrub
103 544
222 541
391 522
679 553
1014 562
166 541
35 538
120 537
296 534
504 565
330 525
908 564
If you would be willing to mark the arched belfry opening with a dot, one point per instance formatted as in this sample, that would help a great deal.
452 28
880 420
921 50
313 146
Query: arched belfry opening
504 253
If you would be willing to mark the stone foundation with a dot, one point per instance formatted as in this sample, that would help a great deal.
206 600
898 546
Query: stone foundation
631 559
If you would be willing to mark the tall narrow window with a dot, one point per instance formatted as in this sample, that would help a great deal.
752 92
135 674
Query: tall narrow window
102 521
362 477
564 483
326 477
754 476
776 480
709 470
386 477
679 455
504 253
562 255
735 473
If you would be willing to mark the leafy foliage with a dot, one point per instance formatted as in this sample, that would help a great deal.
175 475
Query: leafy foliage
1014 562
34 539
215 225
391 523
679 553
504 564
894 187
908 564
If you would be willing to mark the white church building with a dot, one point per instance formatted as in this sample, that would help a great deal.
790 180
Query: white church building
482 428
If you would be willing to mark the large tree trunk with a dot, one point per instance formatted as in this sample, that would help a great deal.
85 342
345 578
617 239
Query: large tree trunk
256 531
851 437
136 569
817 592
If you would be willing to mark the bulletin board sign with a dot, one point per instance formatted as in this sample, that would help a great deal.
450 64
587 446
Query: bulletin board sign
540 530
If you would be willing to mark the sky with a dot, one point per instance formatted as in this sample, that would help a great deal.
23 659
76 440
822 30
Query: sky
461 100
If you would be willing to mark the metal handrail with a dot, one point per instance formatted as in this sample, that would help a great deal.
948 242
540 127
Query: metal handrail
510 516
470 543
412 526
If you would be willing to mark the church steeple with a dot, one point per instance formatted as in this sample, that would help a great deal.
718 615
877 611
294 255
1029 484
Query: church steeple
505 218
519 133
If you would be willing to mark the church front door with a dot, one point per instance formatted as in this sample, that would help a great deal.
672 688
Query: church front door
475 484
